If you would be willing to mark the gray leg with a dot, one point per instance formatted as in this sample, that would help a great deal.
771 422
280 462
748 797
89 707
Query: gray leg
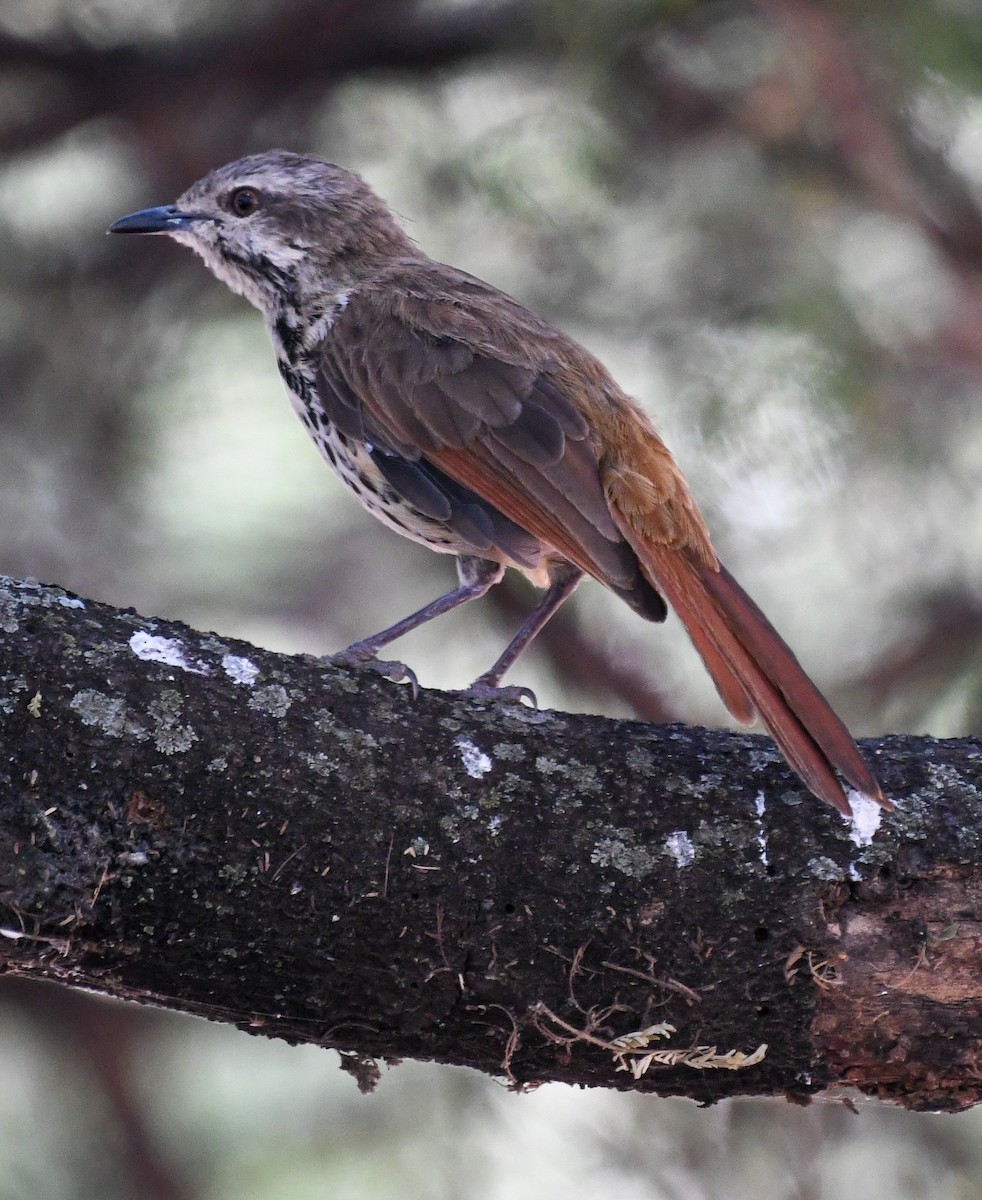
564 583
476 576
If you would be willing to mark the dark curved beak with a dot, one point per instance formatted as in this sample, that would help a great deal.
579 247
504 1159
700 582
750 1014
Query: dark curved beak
166 218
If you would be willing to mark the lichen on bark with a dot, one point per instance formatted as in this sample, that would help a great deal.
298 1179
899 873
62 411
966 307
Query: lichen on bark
314 854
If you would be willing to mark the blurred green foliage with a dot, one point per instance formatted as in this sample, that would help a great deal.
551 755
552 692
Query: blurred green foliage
764 217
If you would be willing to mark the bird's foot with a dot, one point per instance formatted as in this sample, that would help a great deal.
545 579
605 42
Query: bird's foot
362 658
482 689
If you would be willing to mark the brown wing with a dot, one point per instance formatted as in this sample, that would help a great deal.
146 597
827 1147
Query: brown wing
430 381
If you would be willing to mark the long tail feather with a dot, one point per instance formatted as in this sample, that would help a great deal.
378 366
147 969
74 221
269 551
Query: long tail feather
755 671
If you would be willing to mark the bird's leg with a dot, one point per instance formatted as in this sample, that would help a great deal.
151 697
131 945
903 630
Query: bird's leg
561 587
476 576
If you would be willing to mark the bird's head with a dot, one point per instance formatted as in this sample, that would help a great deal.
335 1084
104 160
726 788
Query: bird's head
278 226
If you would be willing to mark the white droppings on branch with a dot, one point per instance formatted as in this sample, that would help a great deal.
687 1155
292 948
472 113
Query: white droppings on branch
151 647
760 804
679 846
476 762
866 818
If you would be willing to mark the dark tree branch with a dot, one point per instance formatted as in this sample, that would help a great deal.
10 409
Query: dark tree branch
297 47
312 854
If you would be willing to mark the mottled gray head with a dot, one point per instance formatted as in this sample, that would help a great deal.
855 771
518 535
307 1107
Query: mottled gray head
278 224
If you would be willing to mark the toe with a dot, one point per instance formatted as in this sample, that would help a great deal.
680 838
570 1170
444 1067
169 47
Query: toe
479 690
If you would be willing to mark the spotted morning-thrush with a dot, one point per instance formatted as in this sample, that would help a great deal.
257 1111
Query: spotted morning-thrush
464 421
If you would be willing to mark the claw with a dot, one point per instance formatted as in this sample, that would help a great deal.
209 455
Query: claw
479 690
359 660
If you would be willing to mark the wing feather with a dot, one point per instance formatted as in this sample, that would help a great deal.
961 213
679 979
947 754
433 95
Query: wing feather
438 384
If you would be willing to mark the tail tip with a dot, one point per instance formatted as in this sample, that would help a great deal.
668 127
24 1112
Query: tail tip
865 811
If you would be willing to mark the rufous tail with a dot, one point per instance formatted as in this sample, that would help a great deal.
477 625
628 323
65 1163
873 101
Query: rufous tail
756 673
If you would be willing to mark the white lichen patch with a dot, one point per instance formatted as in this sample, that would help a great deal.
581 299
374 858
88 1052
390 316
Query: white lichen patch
239 669
761 758
680 846
476 762
151 647
866 818
272 699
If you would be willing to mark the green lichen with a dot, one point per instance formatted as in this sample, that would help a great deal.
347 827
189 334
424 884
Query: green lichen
640 760
826 868
619 849
9 613
169 734
11 700
451 823
232 873
324 765
108 713
508 752
271 699
550 766
583 777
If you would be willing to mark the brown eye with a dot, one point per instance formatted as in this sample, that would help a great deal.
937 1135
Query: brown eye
244 201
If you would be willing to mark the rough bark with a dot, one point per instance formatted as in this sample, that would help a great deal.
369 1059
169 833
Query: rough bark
314 854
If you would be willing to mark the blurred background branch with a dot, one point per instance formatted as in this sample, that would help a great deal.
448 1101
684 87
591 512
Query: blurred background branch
764 216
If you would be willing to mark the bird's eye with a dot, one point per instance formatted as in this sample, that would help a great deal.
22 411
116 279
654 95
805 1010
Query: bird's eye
244 201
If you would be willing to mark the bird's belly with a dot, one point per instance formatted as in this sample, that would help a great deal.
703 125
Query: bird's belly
354 467
354 463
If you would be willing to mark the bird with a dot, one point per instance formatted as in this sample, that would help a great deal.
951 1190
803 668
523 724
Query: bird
463 420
